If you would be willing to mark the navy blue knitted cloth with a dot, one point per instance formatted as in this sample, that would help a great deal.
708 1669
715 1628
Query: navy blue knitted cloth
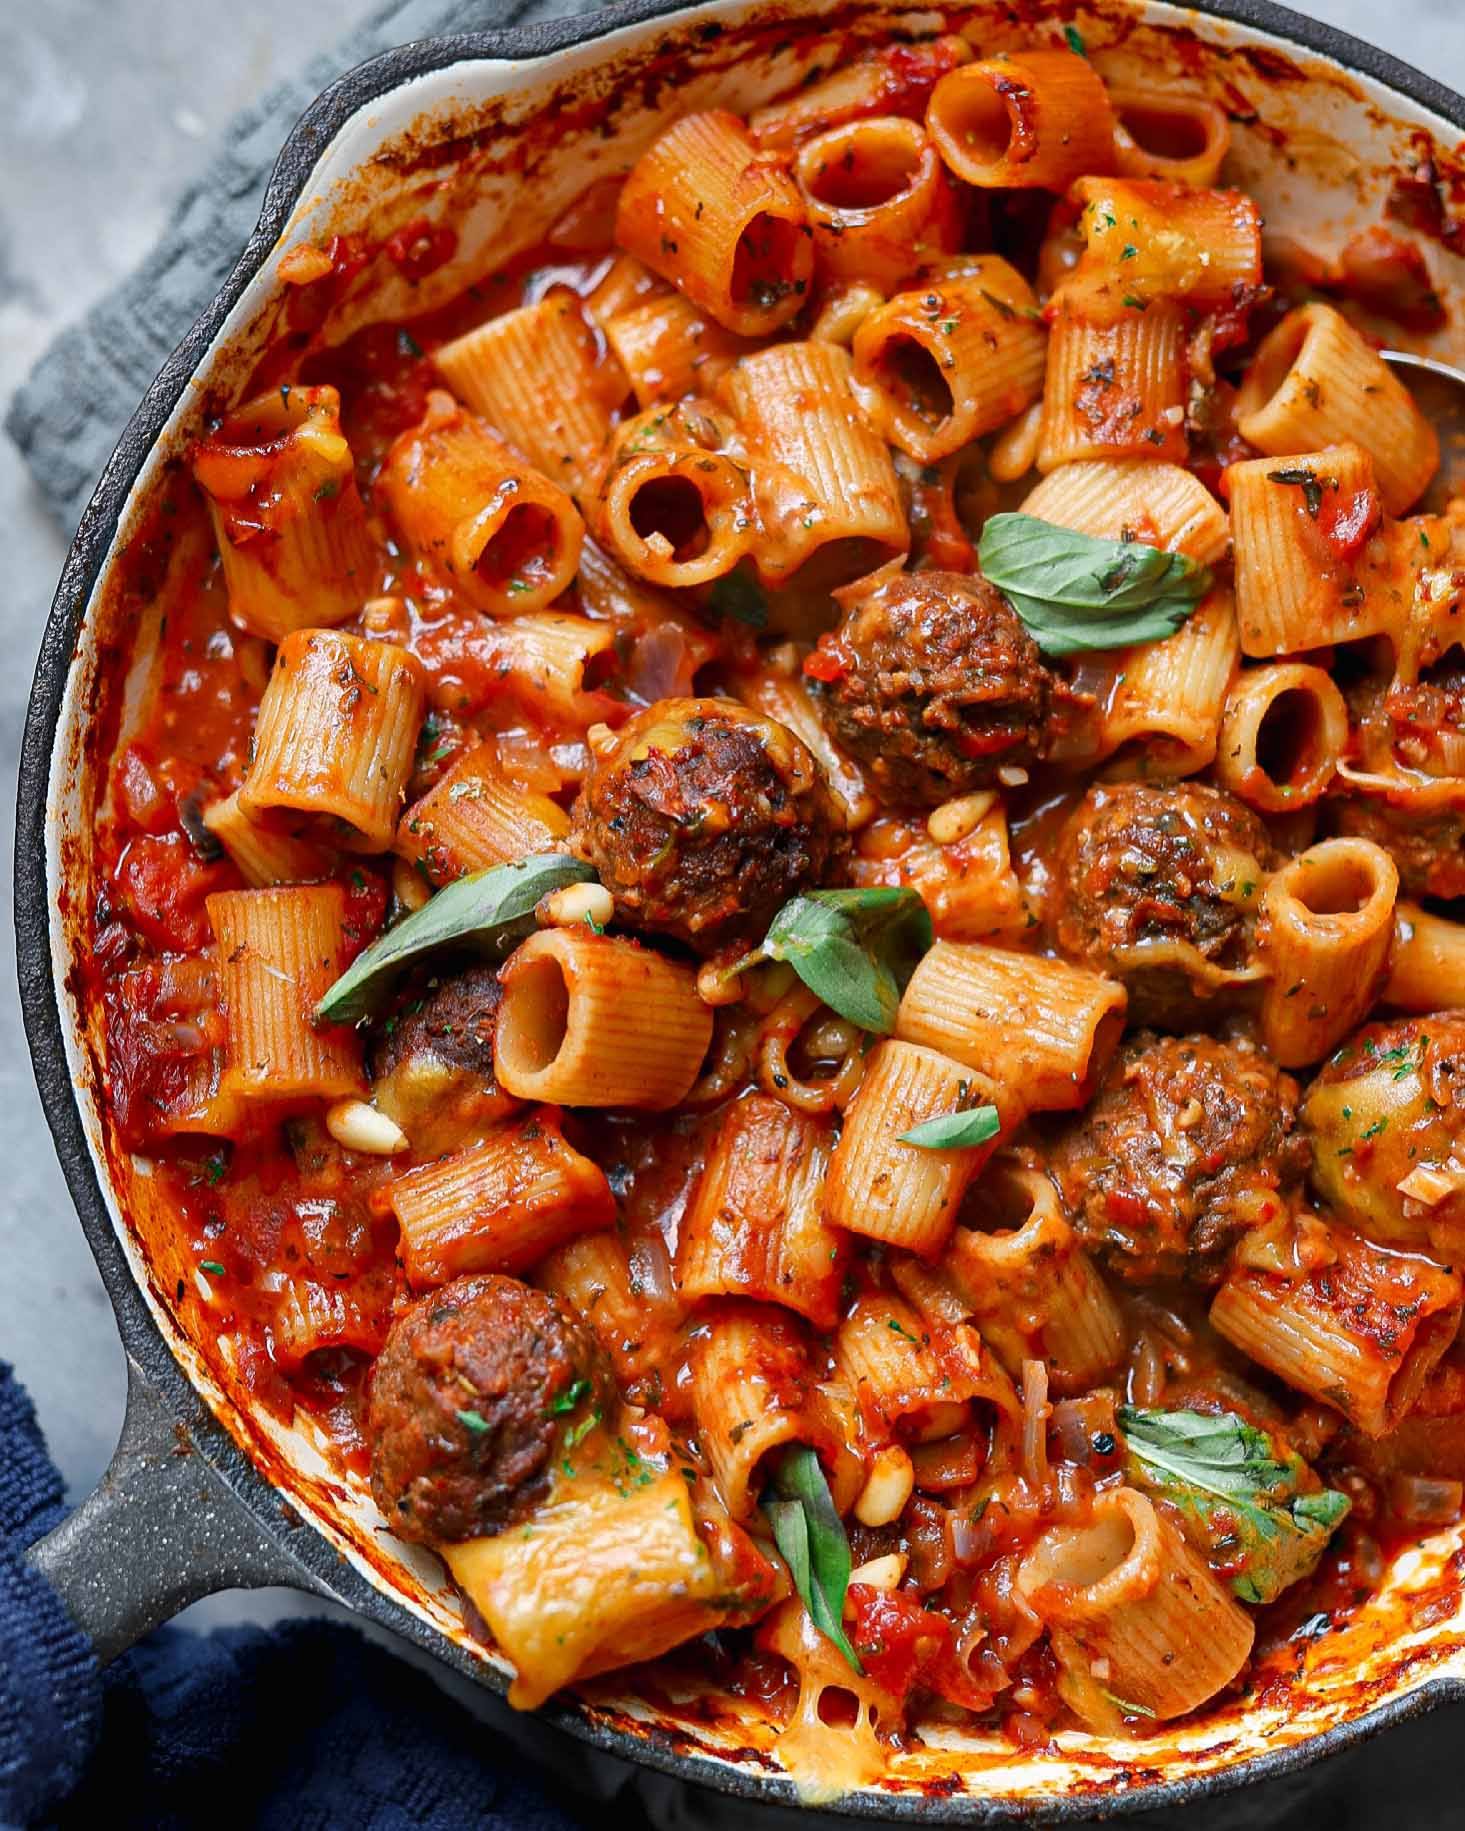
307 1726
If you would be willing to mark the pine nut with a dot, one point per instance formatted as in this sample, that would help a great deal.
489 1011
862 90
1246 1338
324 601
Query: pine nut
888 1488
881 1573
957 820
574 904
359 1127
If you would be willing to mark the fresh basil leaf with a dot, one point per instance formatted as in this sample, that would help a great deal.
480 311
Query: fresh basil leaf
855 949
955 1131
811 1538
1247 1500
1073 592
490 911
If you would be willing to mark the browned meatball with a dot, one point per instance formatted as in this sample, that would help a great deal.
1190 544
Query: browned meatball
1159 886
703 819
1188 1142
934 684
449 1017
471 1401
432 1058
1429 849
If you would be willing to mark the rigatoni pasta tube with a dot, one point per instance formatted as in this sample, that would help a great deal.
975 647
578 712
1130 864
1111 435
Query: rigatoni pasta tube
1164 134
878 197
335 736
1310 569
262 854
753 1391
626 282
190 1048
1116 388
1146 240
1326 928
901 1193
552 662
1023 120
1169 696
500 1205
1361 1334
852 90
826 490
1314 381
966 880
478 816
287 515
598 1020
1041 1029
278 952
938 366
507 537
1284 728
629 1312
1426 963
723 222
670 347
1034 1292
1127 1594
1160 504
673 508
754 1226
537 377
911 1377
607 1573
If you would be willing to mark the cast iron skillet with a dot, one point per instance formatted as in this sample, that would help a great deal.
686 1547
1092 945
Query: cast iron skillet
181 1513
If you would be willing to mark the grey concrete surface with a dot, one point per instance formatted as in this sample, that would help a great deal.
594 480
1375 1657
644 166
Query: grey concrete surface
106 111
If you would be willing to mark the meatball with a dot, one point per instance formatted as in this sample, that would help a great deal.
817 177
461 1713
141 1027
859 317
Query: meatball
1188 1143
703 819
432 1059
1388 1109
1158 886
1429 849
471 1401
934 684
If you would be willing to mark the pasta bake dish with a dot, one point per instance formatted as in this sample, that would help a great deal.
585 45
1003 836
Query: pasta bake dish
779 908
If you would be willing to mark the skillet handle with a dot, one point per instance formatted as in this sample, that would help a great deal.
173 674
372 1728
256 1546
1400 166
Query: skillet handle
161 1529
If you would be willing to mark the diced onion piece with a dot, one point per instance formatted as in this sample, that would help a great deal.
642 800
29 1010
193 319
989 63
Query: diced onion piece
1431 1183
1424 1500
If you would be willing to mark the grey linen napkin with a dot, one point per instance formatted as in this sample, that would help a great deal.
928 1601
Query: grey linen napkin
70 412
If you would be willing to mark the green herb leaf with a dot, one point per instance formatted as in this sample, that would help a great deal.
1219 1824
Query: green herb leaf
474 1421
1074 592
567 1400
955 1131
1125 1706
211 1265
855 949
1301 476
489 911
1075 40
811 1538
1249 1503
